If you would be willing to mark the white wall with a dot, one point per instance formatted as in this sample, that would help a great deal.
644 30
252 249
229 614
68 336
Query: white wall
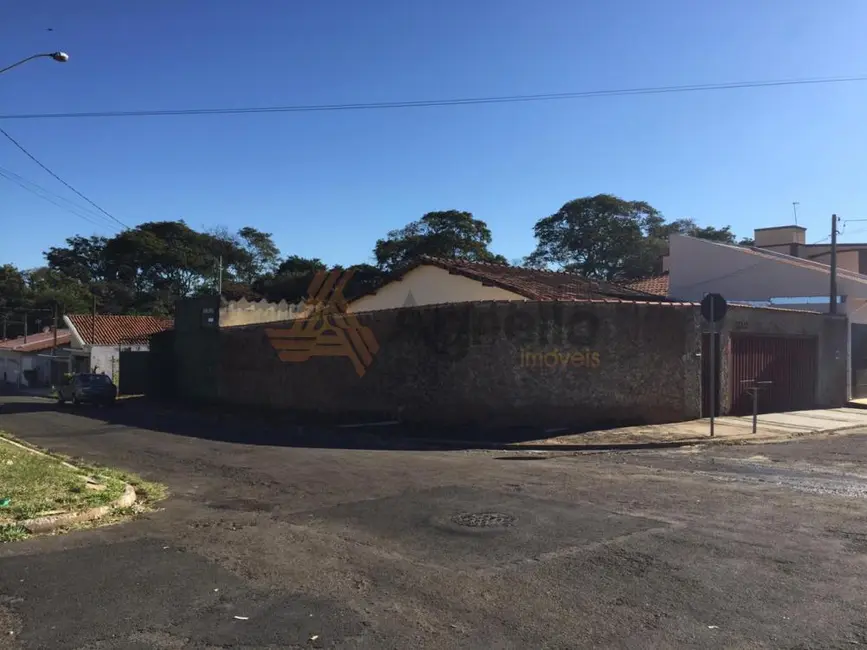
430 285
10 363
105 358
242 312
14 363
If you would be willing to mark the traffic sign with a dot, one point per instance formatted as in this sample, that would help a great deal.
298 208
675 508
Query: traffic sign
713 307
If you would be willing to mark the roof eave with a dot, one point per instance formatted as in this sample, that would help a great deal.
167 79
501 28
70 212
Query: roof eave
75 340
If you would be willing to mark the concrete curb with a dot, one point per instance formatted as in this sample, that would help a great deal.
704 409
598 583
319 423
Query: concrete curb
746 439
53 522
37 452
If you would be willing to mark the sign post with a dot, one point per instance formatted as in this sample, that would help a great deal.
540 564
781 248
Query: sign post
713 309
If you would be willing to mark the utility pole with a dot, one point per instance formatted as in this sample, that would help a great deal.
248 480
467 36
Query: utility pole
832 307
54 349
25 327
5 321
220 277
93 320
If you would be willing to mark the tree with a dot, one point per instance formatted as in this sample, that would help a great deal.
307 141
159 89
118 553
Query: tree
291 281
599 236
451 234
83 258
365 278
249 254
262 254
49 286
13 288
608 238
689 227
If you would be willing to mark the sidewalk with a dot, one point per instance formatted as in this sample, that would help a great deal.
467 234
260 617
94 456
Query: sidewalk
771 427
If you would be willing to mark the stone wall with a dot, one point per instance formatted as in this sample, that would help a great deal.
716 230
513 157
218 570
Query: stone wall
528 363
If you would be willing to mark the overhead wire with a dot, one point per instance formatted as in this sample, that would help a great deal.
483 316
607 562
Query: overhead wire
58 178
55 199
504 99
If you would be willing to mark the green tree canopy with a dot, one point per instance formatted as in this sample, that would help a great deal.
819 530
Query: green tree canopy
609 238
451 234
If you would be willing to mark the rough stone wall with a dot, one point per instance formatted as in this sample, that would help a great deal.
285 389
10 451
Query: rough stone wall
831 333
528 364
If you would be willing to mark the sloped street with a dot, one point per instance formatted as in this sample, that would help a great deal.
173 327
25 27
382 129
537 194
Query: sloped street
350 545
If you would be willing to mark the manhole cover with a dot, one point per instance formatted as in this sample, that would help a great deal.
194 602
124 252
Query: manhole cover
483 520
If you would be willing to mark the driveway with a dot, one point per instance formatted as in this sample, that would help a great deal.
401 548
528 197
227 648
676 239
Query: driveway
290 545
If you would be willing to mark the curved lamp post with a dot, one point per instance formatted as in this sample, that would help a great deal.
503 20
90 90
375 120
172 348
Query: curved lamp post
60 57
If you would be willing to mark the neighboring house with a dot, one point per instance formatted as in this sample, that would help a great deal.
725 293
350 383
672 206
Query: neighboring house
27 360
432 281
791 240
757 276
96 341
656 285
767 276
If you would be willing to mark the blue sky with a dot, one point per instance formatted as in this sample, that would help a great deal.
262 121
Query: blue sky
329 184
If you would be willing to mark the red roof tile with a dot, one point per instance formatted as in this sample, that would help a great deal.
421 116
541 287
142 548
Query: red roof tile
36 342
114 330
656 285
533 284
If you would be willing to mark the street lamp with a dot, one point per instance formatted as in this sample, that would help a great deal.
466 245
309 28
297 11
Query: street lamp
60 57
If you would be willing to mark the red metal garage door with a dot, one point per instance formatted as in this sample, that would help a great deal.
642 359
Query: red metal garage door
790 363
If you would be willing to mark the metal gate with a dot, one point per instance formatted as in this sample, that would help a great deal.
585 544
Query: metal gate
789 363
705 373
859 361
133 379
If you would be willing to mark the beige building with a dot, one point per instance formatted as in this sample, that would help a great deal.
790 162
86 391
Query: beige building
792 240
435 281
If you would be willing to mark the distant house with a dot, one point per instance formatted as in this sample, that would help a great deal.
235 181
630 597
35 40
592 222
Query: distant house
431 281
96 341
27 360
656 285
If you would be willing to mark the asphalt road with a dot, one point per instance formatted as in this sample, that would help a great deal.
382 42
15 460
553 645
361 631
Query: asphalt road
343 546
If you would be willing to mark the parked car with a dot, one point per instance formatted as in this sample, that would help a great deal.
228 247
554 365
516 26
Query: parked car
87 388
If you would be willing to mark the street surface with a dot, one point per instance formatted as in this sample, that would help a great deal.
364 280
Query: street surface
297 546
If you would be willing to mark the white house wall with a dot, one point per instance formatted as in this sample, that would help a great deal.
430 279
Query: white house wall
430 285
10 366
104 358
697 267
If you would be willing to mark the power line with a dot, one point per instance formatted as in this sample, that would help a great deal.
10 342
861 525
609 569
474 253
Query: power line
45 194
507 99
36 160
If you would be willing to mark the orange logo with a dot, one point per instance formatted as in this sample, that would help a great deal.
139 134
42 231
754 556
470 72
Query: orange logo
329 331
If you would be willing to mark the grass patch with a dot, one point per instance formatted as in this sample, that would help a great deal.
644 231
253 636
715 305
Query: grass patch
39 484
12 533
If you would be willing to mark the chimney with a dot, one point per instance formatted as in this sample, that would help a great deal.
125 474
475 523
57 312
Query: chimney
780 236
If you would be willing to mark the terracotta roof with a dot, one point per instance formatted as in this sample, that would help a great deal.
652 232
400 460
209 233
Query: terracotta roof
36 342
114 330
532 284
656 285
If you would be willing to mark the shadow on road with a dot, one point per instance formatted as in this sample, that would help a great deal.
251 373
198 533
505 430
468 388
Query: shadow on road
294 430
